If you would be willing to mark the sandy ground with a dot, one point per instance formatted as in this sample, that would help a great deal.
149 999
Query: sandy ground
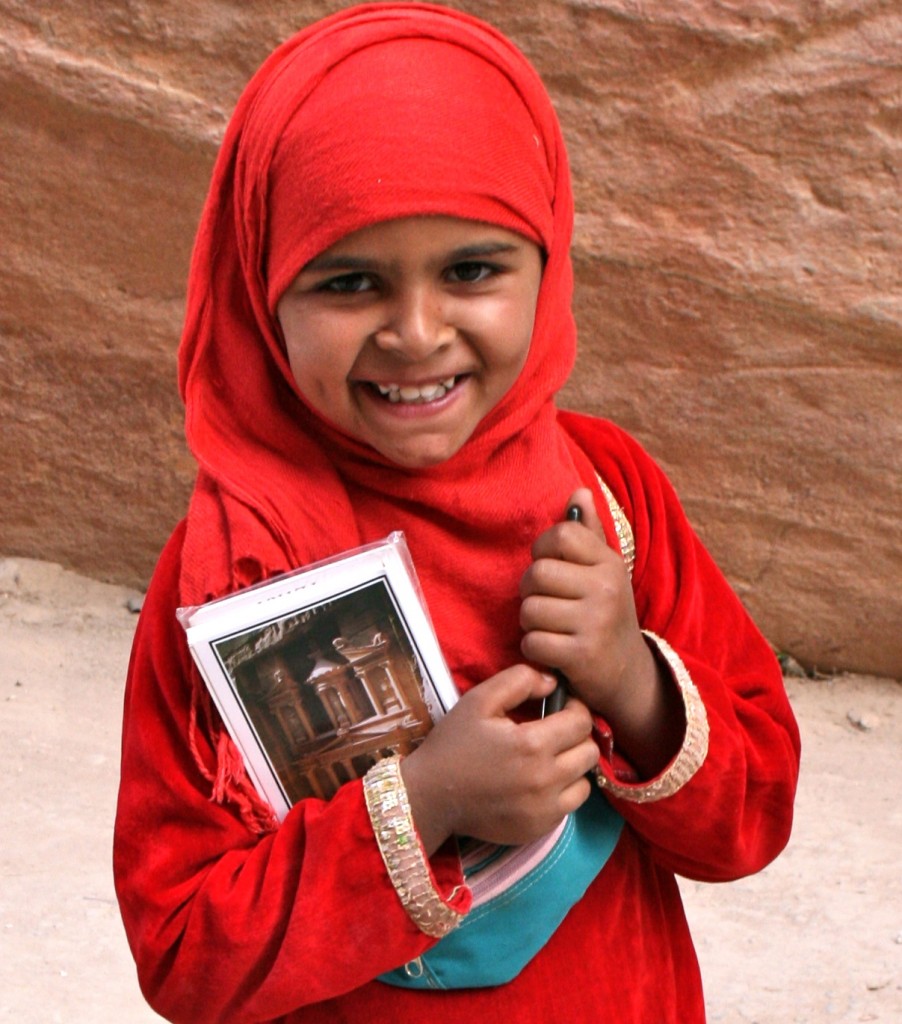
817 937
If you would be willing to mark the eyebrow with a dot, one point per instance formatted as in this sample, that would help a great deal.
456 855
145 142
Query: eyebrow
472 252
326 262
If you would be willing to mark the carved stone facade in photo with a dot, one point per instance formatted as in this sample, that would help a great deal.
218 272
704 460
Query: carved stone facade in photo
326 707
738 254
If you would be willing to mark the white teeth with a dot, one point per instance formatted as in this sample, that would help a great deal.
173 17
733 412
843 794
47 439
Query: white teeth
412 393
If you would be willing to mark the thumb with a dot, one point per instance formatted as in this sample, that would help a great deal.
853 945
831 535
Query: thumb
512 687
583 499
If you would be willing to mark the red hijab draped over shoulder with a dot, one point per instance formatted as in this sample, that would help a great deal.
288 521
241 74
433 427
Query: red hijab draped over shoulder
381 111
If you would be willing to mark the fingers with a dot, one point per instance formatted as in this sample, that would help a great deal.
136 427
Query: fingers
575 754
575 724
538 739
575 795
575 588
567 732
489 776
546 647
569 542
578 542
553 577
555 606
512 687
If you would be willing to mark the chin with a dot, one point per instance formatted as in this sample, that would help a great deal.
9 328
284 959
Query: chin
424 458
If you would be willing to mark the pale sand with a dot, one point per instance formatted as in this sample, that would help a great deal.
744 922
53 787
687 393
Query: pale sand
817 937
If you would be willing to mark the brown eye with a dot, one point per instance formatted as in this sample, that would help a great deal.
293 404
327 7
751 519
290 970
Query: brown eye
346 284
471 272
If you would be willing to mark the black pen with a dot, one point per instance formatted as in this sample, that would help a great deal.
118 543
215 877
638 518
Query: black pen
558 698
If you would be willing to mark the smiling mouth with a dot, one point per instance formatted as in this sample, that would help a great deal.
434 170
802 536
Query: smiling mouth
417 394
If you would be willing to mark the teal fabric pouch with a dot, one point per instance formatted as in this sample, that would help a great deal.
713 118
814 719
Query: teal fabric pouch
520 897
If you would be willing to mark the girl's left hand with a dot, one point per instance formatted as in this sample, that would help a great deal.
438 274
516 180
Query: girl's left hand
577 611
578 615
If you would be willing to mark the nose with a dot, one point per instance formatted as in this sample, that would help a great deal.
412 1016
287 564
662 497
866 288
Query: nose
416 324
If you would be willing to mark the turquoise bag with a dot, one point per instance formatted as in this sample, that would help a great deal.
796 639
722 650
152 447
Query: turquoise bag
521 894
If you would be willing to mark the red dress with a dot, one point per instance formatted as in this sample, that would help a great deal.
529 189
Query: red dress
228 926
230 922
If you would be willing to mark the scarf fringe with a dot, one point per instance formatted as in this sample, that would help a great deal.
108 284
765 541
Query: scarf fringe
230 783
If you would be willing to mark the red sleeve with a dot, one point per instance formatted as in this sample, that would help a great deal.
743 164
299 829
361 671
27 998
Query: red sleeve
735 814
226 925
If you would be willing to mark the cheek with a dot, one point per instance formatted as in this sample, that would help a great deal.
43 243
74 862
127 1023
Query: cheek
323 394
522 321
300 371
310 373
319 381
509 327
321 352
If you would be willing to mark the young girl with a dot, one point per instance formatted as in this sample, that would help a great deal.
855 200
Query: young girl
378 321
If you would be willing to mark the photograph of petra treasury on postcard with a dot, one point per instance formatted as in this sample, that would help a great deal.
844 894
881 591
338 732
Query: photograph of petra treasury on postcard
321 672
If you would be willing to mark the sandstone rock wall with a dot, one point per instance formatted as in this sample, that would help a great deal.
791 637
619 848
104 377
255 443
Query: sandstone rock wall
737 169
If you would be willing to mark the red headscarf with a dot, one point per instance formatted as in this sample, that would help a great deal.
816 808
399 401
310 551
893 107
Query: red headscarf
380 111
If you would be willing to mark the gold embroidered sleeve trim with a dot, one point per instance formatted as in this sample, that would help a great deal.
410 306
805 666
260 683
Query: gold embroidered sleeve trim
692 753
621 526
402 853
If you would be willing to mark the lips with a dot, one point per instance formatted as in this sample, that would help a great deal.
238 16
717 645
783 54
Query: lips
416 394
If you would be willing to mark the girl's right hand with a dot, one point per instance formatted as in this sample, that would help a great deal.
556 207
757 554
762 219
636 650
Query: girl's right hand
481 774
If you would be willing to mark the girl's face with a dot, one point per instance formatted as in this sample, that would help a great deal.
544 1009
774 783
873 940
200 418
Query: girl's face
407 333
